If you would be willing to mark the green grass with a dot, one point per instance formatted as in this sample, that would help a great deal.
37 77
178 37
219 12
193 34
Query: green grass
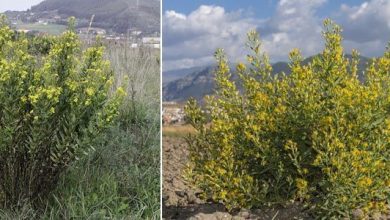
119 180
53 29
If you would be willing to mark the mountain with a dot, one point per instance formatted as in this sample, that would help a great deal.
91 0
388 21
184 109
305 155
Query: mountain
115 15
197 85
201 82
173 75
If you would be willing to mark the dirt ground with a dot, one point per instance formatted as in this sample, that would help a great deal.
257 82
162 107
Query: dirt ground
180 201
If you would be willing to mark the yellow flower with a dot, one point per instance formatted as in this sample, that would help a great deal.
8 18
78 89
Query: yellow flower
236 181
109 82
241 67
72 85
327 120
34 98
356 152
121 91
221 171
301 183
364 182
223 194
90 91
23 99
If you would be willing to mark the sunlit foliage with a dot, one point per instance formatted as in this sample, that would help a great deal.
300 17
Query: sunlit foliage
52 99
319 135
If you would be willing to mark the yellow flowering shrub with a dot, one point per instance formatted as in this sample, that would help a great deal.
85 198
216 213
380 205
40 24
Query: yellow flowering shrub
318 135
49 107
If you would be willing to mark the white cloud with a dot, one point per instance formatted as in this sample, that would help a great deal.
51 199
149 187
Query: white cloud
190 40
294 25
367 22
172 15
366 27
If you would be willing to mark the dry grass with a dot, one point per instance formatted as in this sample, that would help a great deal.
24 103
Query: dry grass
177 130
137 69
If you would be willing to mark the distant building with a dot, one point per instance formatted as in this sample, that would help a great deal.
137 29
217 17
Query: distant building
153 42
136 33
23 30
172 113
43 21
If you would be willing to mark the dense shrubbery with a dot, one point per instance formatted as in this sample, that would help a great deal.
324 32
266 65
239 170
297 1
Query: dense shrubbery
120 179
40 45
318 135
49 108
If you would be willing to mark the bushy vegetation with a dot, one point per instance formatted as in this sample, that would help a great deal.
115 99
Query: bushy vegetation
47 112
318 135
120 179
69 147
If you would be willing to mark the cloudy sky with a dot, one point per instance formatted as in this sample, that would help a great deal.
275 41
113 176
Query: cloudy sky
17 5
192 30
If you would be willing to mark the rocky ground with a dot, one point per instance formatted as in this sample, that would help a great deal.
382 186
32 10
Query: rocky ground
180 201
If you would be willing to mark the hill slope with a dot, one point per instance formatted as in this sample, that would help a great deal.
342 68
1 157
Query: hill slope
118 15
173 75
201 82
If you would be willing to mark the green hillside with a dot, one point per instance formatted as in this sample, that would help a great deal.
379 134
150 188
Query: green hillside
118 15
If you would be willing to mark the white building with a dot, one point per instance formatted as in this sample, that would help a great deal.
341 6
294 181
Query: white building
151 40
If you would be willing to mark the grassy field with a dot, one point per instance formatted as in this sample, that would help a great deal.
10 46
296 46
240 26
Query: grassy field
121 178
53 29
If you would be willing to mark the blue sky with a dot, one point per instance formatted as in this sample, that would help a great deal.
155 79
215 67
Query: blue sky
260 8
192 30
